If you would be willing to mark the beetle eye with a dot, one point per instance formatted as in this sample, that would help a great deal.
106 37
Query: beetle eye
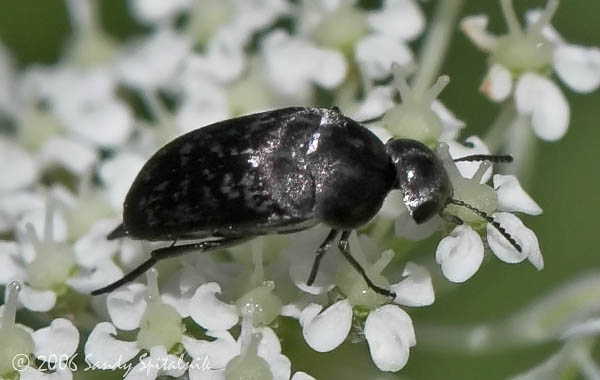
425 211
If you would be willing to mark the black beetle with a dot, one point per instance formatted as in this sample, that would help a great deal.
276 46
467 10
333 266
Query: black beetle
279 171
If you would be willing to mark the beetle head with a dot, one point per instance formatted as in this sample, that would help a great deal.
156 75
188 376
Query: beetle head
421 177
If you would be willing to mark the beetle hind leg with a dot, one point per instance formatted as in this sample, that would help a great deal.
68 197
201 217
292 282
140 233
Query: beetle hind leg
169 252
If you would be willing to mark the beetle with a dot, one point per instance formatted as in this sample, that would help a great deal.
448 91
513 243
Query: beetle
279 172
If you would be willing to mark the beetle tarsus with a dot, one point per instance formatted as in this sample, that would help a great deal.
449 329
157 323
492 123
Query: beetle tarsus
344 246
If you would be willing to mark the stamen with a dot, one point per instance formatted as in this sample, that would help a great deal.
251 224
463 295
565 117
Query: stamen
545 17
246 337
512 21
258 274
10 308
382 262
32 237
435 90
152 295
49 220
401 85
481 171
365 80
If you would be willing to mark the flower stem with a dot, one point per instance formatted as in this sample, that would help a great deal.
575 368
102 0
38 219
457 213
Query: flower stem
496 134
479 339
586 364
522 145
436 43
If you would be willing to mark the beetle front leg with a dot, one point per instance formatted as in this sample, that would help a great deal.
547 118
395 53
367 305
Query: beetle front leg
344 246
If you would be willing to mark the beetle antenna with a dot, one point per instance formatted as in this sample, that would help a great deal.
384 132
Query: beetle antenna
490 220
486 157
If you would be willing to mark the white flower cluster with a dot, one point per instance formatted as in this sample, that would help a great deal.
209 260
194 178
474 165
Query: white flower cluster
78 144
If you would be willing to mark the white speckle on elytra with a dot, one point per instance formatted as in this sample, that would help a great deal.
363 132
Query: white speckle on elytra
161 186
186 148
218 149
254 161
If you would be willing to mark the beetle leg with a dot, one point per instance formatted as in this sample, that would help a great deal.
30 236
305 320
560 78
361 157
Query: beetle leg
344 247
328 242
168 252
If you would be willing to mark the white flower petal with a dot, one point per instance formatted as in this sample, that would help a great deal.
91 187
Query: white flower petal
85 101
223 61
180 289
75 156
253 15
293 63
154 11
299 274
31 373
17 167
210 312
512 197
451 126
157 363
325 330
332 68
56 342
269 349
401 19
174 366
377 101
301 254
93 247
523 236
497 84
147 367
540 98
416 289
302 376
460 254
578 67
197 371
126 306
475 27
376 54
390 334
145 65
207 104
37 300
11 266
468 169
219 351
118 173
16 204
104 351
101 274
407 228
